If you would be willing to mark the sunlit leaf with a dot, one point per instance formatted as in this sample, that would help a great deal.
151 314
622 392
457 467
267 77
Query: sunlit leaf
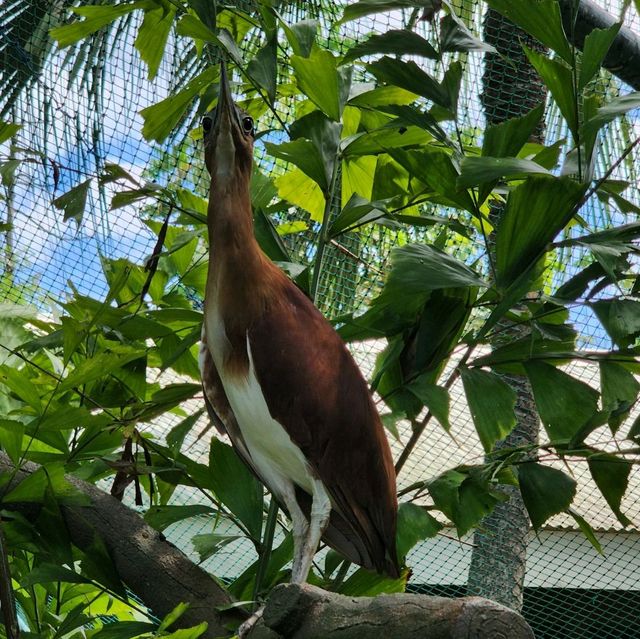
322 82
8 130
301 36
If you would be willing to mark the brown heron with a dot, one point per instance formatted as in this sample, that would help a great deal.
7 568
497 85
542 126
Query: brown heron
279 381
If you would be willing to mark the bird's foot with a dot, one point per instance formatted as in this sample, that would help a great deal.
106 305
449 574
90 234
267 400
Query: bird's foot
247 626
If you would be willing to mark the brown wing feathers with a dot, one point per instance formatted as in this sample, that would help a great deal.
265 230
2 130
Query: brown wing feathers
315 390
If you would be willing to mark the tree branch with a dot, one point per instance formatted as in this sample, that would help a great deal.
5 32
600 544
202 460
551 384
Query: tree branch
307 612
150 566
623 59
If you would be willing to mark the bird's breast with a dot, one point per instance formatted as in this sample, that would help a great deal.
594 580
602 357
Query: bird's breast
275 457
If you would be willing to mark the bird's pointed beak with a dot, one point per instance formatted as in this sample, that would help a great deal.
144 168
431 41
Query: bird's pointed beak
225 110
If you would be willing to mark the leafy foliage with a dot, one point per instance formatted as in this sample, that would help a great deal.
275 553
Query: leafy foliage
78 392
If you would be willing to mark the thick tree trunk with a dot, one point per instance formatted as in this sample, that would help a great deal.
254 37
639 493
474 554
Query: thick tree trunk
307 612
498 560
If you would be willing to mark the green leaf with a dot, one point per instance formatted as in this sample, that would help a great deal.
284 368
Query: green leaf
47 573
491 403
417 268
235 486
540 18
304 155
595 48
175 437
619 392
399 42
356 212
188 633
98 366
301 36
192 27
298 189
160 517
610 111
152 37
73 202
620 318
8 130
124 630
435 398
437 171
414 524
586 529
209 544
409 76
96 17
477 170
19 382
559 79
507 138
545 491
49 478
322 82
536 212
263 68
366 583
161 118
454 36
564 403
464 497
11 439
611 475
367 7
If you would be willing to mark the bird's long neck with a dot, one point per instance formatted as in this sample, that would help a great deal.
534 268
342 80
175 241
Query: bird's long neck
241 280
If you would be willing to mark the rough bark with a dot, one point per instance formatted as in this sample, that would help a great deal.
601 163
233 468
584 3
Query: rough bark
161 576
151 567
307 612
623 59
498 560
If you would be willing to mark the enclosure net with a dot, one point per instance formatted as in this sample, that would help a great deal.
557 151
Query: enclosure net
81 108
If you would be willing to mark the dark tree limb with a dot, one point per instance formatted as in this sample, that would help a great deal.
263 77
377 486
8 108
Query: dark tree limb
150 566
623 59
307 612
162 576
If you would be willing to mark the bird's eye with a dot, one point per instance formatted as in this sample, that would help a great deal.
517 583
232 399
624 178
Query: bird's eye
206 124
247 124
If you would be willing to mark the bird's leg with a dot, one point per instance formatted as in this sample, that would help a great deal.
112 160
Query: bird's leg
300 531
299 525
320 511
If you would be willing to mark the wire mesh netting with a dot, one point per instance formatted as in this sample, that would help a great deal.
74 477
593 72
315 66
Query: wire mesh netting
80 108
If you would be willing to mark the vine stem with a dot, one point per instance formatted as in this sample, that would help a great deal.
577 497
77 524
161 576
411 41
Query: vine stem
267 546
323 240
419 429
